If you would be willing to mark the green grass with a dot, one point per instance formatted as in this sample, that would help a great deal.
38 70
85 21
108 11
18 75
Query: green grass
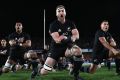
101 74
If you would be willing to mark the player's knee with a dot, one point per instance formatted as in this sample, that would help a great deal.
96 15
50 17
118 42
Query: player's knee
6 67
74 51
31 54
43 72
46 68
93 68
18 67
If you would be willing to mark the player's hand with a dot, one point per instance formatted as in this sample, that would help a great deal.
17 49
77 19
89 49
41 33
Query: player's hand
12 42
73 38
115 51
20 40
20 44
66 39
4 52
62 37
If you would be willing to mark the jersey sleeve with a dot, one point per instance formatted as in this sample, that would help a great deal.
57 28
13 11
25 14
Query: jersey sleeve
53 28
100 33
27 37
11 37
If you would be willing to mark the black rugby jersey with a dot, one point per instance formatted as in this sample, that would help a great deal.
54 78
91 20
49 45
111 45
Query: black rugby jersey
4 49
98 46
19 38
63 29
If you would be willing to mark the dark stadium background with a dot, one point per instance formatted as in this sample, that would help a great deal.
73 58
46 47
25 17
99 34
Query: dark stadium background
87 15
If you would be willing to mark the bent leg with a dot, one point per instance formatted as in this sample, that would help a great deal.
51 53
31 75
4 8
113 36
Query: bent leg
49 63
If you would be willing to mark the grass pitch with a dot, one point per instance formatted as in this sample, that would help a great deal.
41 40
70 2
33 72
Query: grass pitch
101 74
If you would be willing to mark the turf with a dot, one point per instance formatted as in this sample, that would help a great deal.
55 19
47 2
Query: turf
101 74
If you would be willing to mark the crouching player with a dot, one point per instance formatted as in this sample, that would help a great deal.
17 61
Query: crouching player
63 33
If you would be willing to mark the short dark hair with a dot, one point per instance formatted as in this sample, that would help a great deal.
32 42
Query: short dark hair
104 21
60 6
18 23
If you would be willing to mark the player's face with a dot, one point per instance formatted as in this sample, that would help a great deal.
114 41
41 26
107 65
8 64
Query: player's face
60 13
3 42
105 26
18 27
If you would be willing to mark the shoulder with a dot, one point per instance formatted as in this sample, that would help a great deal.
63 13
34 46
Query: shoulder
54 23
71 24
70 21
99 31
11 34
26 34
108 32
